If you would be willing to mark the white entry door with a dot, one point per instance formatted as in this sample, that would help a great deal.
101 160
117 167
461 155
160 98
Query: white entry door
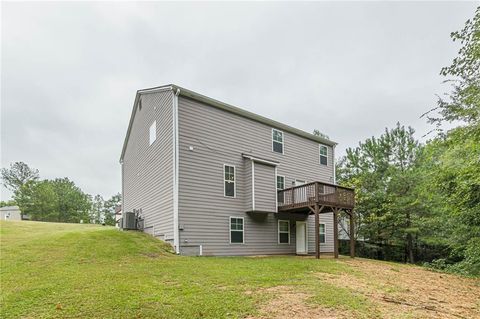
301 238
300 193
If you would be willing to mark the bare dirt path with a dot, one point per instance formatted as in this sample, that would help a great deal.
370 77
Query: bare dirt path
391 291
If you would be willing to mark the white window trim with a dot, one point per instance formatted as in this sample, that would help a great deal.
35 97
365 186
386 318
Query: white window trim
320 154
230 229
276 182
283 141
324 232
279 232
152 137
234 181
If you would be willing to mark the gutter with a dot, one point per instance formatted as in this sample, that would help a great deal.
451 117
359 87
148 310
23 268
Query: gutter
236 110
223 106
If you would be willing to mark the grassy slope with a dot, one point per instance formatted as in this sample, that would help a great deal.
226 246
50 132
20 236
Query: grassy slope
68 270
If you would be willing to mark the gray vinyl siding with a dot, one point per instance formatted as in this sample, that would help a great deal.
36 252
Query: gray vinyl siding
219 137
148 169
265 188
327 219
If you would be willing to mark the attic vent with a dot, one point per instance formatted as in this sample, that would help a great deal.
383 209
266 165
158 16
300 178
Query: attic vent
140 104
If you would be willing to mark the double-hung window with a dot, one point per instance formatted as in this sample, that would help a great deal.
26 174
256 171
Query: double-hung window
236 230
277 141
323 155
322 233
229 180
280 182
284 232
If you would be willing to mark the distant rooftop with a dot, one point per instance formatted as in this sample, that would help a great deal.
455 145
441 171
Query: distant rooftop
9 208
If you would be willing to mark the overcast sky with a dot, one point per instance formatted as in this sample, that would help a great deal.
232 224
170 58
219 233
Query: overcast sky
70 71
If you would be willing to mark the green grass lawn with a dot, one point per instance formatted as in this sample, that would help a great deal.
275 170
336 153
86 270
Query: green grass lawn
86 271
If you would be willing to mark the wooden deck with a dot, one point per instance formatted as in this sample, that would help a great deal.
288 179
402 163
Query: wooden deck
316 198
301 198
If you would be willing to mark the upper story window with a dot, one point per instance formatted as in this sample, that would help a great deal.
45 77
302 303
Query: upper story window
153 132
229 180
277 141
323 155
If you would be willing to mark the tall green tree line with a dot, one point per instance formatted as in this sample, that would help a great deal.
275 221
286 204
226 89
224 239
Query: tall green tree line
410 194
57 200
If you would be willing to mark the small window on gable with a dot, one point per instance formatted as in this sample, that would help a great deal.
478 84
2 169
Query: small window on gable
323 155
284 232
153 132
322 233
229 180
277 141
236 230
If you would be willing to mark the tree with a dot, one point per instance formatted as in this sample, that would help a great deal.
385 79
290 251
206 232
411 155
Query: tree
463 103
58 200
383 172
96 213
73 204
451 190
38 200
318 133
103 211
109 209
18 175
7 203
452 158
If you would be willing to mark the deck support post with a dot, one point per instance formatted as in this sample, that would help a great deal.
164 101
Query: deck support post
317 224
335 232
317 231
352 235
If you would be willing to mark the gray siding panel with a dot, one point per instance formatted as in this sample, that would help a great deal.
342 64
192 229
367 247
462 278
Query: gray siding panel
247 178
148 169
218 137
327 219
265 188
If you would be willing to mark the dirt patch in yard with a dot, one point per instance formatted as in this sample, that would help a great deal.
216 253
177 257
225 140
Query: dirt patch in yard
408 291
287 302
391 291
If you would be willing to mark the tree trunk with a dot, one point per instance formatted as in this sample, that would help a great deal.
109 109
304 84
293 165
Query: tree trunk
409 241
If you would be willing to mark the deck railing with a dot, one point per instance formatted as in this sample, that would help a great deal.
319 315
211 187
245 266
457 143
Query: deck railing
316 192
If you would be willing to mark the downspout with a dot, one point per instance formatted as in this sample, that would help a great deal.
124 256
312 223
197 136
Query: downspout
176 232
123 192
253 185
334 165
276 192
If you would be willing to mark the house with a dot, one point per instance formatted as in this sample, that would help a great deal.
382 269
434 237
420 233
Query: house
214 179
10 213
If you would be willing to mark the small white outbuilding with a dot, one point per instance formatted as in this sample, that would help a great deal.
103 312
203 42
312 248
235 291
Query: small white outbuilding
10 213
